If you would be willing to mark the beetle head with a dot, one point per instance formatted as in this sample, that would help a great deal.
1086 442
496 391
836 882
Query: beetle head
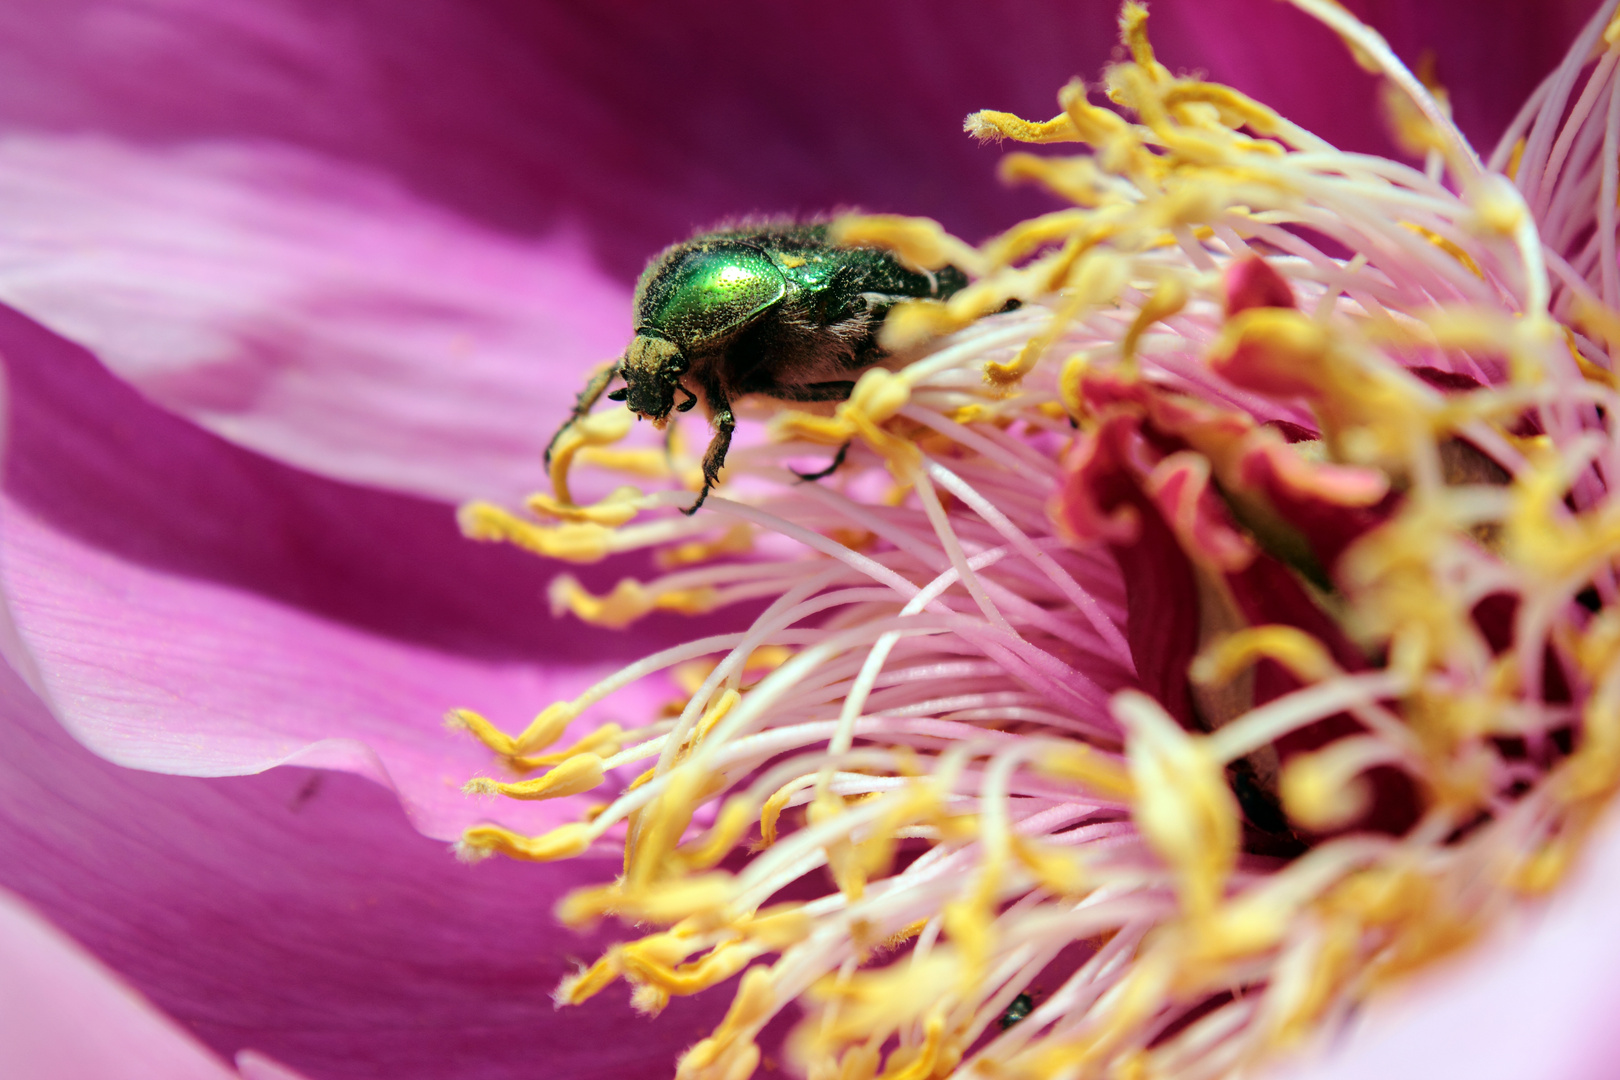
652 370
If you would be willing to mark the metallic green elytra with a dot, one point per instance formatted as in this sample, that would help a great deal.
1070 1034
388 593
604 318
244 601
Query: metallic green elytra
1021 1006
773 309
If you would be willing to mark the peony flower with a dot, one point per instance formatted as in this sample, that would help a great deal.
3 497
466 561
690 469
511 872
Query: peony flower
276 229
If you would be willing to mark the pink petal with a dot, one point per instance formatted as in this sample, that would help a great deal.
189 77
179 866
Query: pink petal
63 1016
296 914
1488 55
308 310
1536 999
192 607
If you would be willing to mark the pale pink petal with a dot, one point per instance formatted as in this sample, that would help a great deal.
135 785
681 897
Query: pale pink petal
65 1017
309 310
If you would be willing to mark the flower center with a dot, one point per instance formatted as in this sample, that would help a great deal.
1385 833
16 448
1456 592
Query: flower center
1168 663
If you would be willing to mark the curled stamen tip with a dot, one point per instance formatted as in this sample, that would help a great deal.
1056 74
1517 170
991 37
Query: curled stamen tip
481 785
468 852
981 126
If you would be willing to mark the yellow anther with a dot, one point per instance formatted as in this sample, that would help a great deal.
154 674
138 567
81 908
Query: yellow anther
649 999
1299 652
737 540
1133 33
716 712
824 430
662 825
1058 869
1030 236
612 511
731 1053
881 999
1545 868
988 125
582 772
725 961
1234 108
1448 246
628 601
1319 793
544 730
771 812
704 898
647 462
1102 128
1103 775
574 541
563 842
1168 298
877 396
1183 805
922 1062
972 413
1414 132
1499 210
597 429
778 927
582 986
918 242
1070 384
603 742
911 323
1097 278
1078 180
734 820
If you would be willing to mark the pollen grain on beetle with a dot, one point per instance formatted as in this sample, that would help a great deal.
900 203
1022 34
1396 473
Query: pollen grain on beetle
1170 660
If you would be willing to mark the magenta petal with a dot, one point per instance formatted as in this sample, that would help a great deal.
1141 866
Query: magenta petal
65 1017
307 309
296 914
1534 1000
195 608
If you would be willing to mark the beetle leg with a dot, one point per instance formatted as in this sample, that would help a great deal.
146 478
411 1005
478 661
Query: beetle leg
837 463
715 459
586 401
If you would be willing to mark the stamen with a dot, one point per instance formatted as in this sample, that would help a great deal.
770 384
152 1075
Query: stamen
1217 637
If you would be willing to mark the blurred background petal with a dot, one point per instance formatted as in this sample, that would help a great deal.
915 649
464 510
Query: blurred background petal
298 914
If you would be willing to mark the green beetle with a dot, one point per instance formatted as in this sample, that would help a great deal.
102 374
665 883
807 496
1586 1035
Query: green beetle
1019 1010
774 309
